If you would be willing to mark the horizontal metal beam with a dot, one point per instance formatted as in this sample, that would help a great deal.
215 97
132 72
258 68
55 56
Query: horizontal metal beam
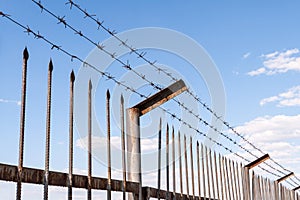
285 177
258 161
36 176
161 97
149 192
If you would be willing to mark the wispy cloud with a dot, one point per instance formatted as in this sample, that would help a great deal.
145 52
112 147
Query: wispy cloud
276 135
279 62
289 98
246 55
10 101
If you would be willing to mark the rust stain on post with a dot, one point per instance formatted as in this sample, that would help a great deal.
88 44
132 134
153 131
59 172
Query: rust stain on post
159 158
89 192
36 176
108 145
123 146
22 123
186 167
192 167
71 119
167 161
180 163
48 124
173 162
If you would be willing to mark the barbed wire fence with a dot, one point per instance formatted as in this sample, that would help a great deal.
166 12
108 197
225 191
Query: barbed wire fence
142 55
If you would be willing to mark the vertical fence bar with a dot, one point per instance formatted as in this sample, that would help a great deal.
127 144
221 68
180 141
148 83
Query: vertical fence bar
71 118
227 179
253 186
167 161
203 171
198 166
89 192
237 181
123 146
22 124
180 164
186 168
231 171
221 177
217 176
192 167
108 145
48 121
173 162
211 174
159 159
207 172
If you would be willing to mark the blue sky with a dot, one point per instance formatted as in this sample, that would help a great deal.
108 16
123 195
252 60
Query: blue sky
255 46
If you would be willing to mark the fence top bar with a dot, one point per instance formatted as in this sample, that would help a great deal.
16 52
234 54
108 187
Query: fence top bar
258 161
285 177
296 188
161 97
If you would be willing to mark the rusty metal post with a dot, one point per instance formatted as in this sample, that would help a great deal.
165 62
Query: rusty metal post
211 174
198 166
203 171
133 128
231 178
71 119
217 176
108 145
173 163
134 148
123 146
186 168
237 181
159 160
192 167
226 178
22 123
89 192
221 177
48 121
207 171
180 164
167 162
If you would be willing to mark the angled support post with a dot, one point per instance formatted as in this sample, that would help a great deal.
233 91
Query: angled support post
296 188
133 129
246 171
258 161
285 177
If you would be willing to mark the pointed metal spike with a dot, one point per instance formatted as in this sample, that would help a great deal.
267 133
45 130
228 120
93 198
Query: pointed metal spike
72 76
25 54
107 94
90 84
122 99
50 66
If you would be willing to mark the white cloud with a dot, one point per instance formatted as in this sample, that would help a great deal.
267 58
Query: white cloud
148 144
246 55
10 101
277 135
279 62
289 98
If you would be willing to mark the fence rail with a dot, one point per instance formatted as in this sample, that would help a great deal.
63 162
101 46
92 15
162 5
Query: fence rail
204 172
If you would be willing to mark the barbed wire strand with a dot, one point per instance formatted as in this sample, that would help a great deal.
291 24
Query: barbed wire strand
143 77
142 56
